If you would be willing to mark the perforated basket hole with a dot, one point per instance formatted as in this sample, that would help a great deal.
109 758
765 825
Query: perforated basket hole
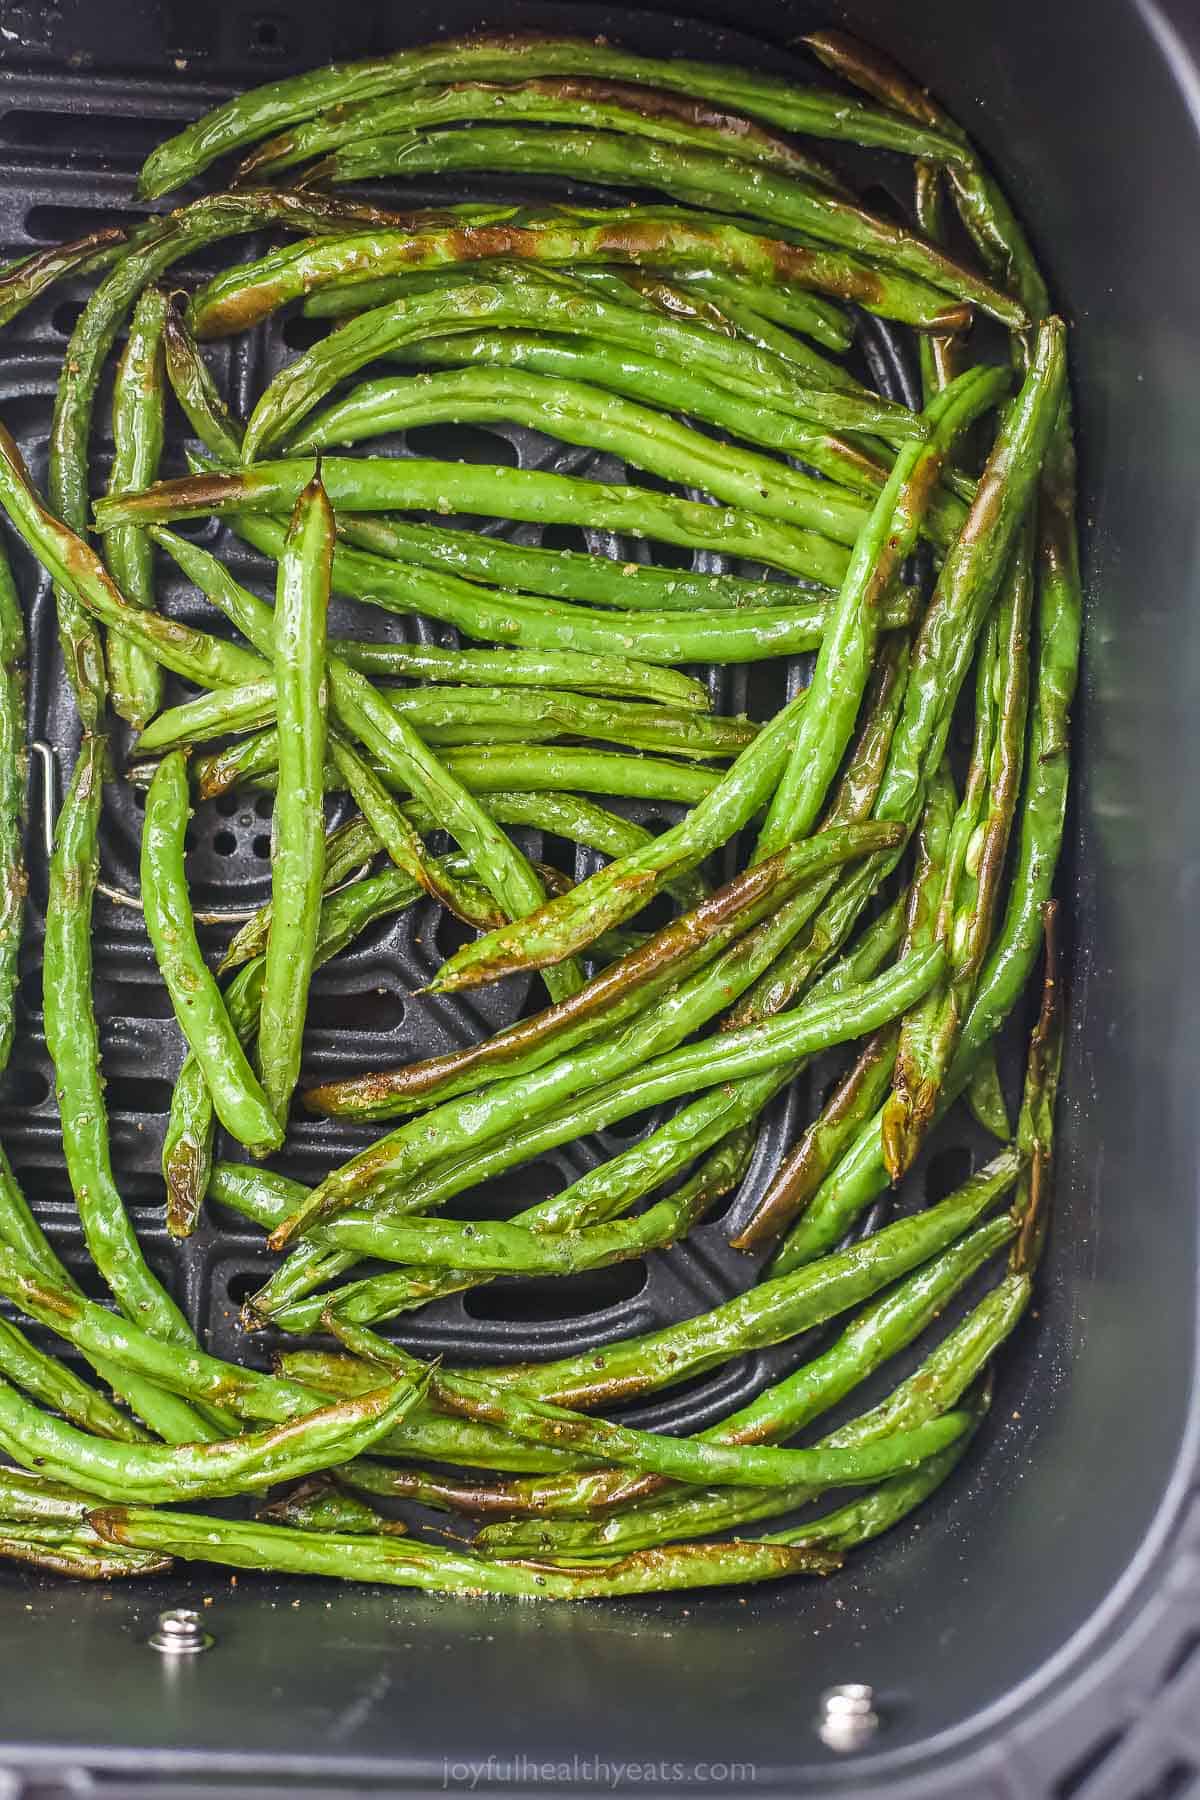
563 1297
138 1094
461 443
376 1009
947 1170
23 1087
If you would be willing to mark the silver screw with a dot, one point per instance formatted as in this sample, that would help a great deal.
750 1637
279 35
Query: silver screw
848 1719
180 1633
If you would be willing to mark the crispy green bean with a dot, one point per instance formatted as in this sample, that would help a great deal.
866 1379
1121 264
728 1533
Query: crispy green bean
382 484
404 1152
844 659
966 586
298 838
119 1471
905 265
676 951
780 101
60 1388
603 105
521 621
193 654
196 391
577 414
401 1563
241 1105
636 725
502 868
619 676
149 253
521 297
135 677
944 1376
22 282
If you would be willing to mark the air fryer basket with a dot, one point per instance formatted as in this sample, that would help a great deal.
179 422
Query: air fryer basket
1031 1634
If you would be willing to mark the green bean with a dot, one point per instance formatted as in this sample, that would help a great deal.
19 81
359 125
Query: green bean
684 1458
483 770
74 1049
879 1332
519 297
844 660
938 351
501 866
79 1554
13 878
187 1145
715 636
401 1563
135 678
611 105
985 1095
873 1513
973 878
22 282
250 117
60 1388
699 177
966 586
20 1231
634 724
1035 1127
755 312
981 203
374 484
676 951
385 1167
619 676
638 376
945 1375
320 1505
298 837
241 1105
196 391
852 1102
73 564
117 1471
604 421
148 254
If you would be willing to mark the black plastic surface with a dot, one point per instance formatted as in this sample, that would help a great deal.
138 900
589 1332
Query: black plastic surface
1049 1593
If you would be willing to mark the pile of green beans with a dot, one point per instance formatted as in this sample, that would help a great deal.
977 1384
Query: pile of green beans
838 880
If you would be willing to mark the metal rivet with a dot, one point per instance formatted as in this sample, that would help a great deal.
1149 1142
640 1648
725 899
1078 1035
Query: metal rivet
180 1633
848 1720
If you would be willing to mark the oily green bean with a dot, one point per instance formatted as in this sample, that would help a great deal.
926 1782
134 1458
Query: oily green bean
119 1471
135 677
905 266
298 837
382 484
676 951
876 1334
150 251
522 297
384 1169
241 1105
196 391
13 878
502 868
578 414
945 1375
780 101
401 1563
22 282
966 586
682 1458
984 1095
603 105
634 724
619 676
633 373
844 660
59 1388
193 654
524 622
